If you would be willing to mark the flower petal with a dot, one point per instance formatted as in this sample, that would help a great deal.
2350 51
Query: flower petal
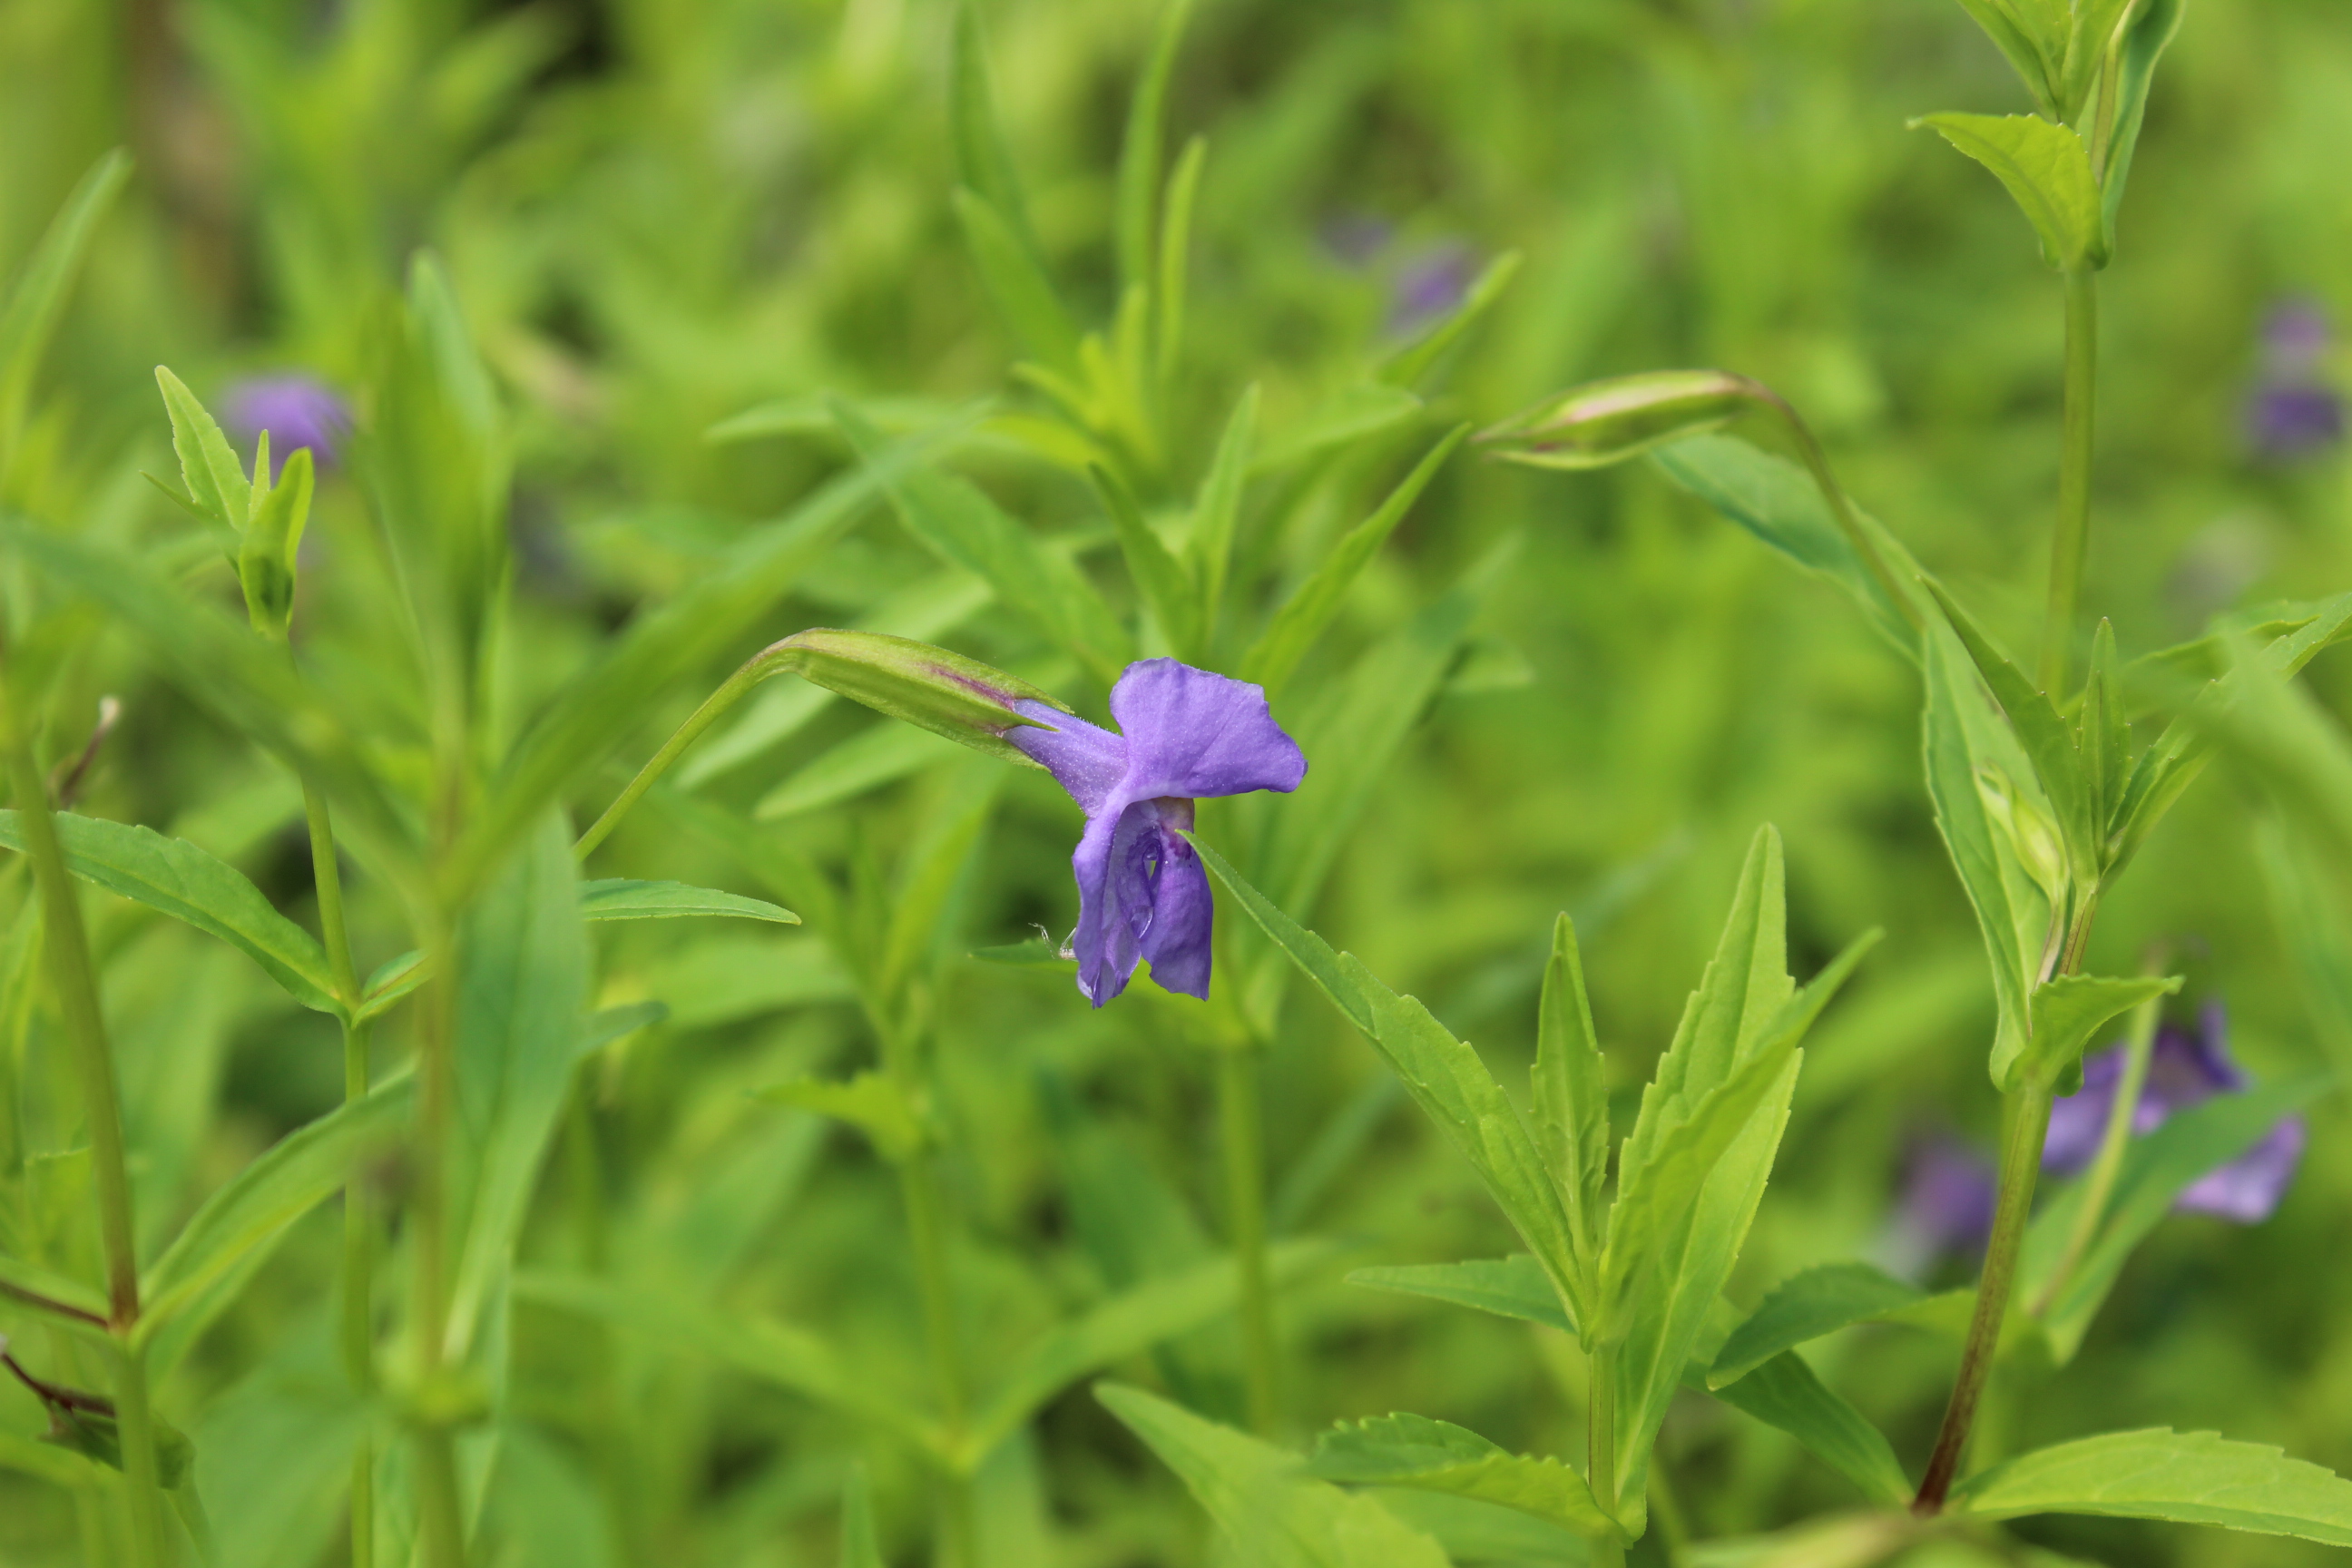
1193 734
1085 759
1183 911
2249 1187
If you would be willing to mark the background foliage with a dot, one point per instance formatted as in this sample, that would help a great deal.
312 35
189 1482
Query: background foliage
656 216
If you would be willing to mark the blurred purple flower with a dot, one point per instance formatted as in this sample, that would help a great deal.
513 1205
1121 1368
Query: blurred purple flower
1355 240
1946 1208
1142 891
2184 1068
2293 411
1431 284
296 410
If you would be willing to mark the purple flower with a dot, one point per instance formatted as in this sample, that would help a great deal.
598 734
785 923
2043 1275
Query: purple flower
2184 1068
1946 1206
2293 411
296 410
1142 891
1431 285
1355 240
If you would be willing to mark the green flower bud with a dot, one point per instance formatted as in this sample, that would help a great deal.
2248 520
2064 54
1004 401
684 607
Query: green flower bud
2029 829
1606 422
943 693
265 558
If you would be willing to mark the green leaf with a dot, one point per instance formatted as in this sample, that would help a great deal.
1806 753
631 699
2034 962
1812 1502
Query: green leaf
1037 952
36 303
521 989
873 1102
209 467
983 161
1781 1391
1304 617
932 868
2047 173
59 1465
1311 952
2027 44
2192 1478
175 877
617 899
2067 1011
1273 1516
266 558
2311 923
1804 1307
298 1172
1139 152
1963 738
1127 1324
1017 285
1513 1287
1572 1095
1405 1451
1778 502
1165 582
1216 512
1355 414
2143 44
2157 1167
1410 363
1042 585
859 1548
772 1352
1175 257
869 758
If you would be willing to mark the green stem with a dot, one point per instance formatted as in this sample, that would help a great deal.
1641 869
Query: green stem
441 1519
2071 542
1849 522
2025 1116
755 669
1243 1123
918 1187
75 978
2113 1141
1601 1449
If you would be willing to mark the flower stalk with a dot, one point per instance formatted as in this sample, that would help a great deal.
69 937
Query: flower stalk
2071 542
1241 1117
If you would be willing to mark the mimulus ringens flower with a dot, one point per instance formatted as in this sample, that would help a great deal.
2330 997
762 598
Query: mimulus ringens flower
2183 1069
1185 734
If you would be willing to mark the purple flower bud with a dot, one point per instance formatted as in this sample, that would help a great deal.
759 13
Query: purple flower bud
1430 285
2293 411
297 411
2295 337
1142 892
2184 1068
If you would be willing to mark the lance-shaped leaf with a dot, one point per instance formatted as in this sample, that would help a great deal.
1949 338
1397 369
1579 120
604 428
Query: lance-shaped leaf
1273 1515
1165 582
1217 511
619 899
33 306
1042 585
265 557
2143 44
2066 1012
2192 1478
1405 1451
873 1102
1571 1097
2046 170
859 1547
983 160
1805 1307
1017 284
174 877
298 1172
1964 740
1308 611
2025 40
1513 1287
1139 152
1783 1391
1414 360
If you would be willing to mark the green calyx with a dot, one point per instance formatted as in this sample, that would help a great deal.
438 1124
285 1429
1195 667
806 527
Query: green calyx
944 692
1606 422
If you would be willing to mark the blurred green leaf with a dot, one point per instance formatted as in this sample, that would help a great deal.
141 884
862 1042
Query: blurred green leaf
1158 1309
1405 1451
1513 1287
1139 150
859 1548
2026 41
1818 1301
873 1102
2310 922
1273 1516
296 1174
983 161
1781 1391
1355 414
1308 611
175 877
871 758
1017 284
2046 170
2143 44
618 898
1165 582
2194 1478
1410 363
1175 257
59 1465
36 302
1216 512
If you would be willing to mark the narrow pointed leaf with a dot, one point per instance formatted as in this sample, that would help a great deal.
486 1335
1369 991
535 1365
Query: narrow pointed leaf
873 1102
1572 1095
1311 952
1216 513
1017 284
2154 29
175 877
37 300
1783 1391
618 898
1165 582
2192 1478
1405 1451
1513 1287
1805 1307
209 467
1139 152
2048 740
1410 363
2047 172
